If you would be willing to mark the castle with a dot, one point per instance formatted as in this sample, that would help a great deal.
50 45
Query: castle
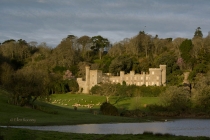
155 77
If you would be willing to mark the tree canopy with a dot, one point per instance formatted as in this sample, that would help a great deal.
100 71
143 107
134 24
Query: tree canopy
32 62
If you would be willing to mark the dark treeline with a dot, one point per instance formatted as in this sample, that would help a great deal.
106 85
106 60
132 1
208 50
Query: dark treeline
30 70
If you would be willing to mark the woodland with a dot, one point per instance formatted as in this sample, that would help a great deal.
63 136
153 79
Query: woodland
29 70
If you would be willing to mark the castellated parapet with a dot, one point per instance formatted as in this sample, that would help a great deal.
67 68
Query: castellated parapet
155 77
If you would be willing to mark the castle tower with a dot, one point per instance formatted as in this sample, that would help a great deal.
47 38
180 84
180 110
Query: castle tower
87 81
163 68
122 75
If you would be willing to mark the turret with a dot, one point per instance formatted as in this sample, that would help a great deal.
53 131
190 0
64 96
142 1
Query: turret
163 76
122 74
87 84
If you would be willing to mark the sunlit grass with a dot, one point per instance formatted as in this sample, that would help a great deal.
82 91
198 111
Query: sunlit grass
68 100
51 114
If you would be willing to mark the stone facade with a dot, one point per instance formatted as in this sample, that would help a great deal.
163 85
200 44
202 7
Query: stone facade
155 77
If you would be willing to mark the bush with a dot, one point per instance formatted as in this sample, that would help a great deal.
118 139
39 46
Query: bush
108 109
176 98
96 89
201 98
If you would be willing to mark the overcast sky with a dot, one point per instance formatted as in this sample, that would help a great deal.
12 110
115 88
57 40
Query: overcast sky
52 20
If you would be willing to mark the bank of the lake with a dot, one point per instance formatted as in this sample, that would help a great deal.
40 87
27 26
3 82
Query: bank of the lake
25 134
182 127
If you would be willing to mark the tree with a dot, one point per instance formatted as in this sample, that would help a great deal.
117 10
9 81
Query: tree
84 40
201 94
99 43
176 98
26 86
121 63
144 43
202 98
65 54
116 50
176 43
198 32
108 89
186 49
6 70
198 47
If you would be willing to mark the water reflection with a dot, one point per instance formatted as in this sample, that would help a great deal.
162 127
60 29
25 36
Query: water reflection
185 127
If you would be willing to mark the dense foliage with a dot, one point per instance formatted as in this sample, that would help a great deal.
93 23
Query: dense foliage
124 90
24 65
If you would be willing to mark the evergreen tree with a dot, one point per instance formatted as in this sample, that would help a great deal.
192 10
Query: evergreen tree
198 32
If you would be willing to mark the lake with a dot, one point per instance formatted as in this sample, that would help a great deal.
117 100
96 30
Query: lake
184 127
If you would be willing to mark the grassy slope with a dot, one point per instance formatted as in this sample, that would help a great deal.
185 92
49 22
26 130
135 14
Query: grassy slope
65 115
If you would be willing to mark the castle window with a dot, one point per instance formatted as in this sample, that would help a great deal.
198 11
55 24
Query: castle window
157 77
153 72
157 84
141 78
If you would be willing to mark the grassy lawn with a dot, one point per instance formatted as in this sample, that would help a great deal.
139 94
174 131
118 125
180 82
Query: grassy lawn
68 100
56 114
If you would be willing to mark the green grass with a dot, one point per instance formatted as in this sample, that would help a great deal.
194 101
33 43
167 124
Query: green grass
24 134
16 115
59 111
67 100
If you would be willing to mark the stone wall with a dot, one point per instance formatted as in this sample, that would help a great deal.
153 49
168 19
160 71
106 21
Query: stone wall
156 77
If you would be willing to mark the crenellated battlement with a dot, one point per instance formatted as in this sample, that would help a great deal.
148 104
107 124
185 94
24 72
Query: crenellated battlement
155 77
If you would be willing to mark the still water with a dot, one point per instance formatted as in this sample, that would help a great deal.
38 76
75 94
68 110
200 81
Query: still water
184 127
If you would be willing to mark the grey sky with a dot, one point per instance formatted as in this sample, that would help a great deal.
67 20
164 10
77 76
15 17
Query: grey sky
52 20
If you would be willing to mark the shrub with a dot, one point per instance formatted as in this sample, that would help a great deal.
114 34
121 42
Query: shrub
108 109
201 98
176 98
95 90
